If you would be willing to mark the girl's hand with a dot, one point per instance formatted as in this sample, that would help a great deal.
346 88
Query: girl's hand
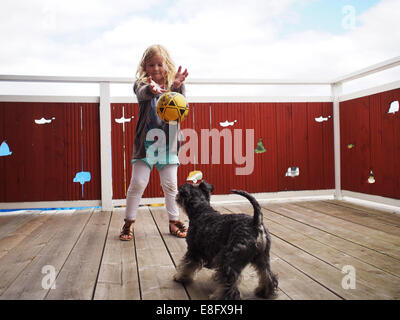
180 77
154 87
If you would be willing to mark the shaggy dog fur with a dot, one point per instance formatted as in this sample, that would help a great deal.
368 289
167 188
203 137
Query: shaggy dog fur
226 243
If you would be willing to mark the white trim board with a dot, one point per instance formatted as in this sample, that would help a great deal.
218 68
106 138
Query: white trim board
49 204
378 202
282 196
369 200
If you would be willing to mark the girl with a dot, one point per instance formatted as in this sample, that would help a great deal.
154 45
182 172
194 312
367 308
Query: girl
155 75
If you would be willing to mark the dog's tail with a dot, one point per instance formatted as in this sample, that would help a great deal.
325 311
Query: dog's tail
257 218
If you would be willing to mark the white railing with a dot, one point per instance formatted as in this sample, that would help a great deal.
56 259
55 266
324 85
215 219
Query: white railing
105 100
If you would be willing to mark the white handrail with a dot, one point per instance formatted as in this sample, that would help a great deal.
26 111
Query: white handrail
195 81
258 82
387 64
64 79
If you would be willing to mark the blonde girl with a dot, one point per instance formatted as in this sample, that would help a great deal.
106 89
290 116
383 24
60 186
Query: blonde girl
155 75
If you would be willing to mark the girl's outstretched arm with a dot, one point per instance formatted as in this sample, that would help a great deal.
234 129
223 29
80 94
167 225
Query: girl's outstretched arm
154 87
147 91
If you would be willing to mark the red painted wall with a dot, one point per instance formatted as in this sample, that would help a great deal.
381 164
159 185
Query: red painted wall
375 134
288 131
46 158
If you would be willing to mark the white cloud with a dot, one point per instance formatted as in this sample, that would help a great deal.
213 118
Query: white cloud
218 39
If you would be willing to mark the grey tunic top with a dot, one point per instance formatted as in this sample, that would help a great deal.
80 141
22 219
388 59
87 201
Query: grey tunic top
148 118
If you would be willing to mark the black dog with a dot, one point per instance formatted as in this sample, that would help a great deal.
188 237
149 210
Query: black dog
224 242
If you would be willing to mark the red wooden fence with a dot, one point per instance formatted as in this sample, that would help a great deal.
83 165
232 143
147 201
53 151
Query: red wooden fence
370 141
45 159
289 132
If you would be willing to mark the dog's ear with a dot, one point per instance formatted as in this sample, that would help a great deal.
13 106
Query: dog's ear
184 190
206 187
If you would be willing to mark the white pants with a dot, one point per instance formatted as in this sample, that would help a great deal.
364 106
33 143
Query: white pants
140 179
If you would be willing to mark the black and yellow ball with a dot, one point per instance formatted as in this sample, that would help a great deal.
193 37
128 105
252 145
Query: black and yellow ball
172 107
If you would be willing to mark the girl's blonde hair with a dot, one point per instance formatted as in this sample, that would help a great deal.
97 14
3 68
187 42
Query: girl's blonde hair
168 65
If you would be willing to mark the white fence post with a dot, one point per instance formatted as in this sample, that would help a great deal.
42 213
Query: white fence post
336 89
105 147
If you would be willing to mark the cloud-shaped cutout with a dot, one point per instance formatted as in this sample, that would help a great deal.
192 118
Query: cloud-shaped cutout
226 123
292 172
394 107
322 119
123 120
5 150
44 121
82 177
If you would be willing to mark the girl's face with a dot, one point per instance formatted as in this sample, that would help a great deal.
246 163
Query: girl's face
155 69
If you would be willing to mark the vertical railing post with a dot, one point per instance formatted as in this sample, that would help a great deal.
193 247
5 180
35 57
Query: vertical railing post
105 147
336 90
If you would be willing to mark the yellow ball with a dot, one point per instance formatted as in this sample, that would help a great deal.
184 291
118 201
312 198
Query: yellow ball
172 107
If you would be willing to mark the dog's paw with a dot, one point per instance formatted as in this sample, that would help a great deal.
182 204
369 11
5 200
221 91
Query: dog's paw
218 294
179 278
265 293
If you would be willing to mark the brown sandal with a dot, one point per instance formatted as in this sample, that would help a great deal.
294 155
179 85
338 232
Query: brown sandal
181 232
126 232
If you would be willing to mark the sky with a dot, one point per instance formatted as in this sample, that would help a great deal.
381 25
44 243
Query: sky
275 39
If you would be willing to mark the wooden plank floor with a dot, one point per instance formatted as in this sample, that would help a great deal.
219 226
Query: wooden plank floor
78 255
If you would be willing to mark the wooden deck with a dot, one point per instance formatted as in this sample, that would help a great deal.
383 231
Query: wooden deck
311 244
